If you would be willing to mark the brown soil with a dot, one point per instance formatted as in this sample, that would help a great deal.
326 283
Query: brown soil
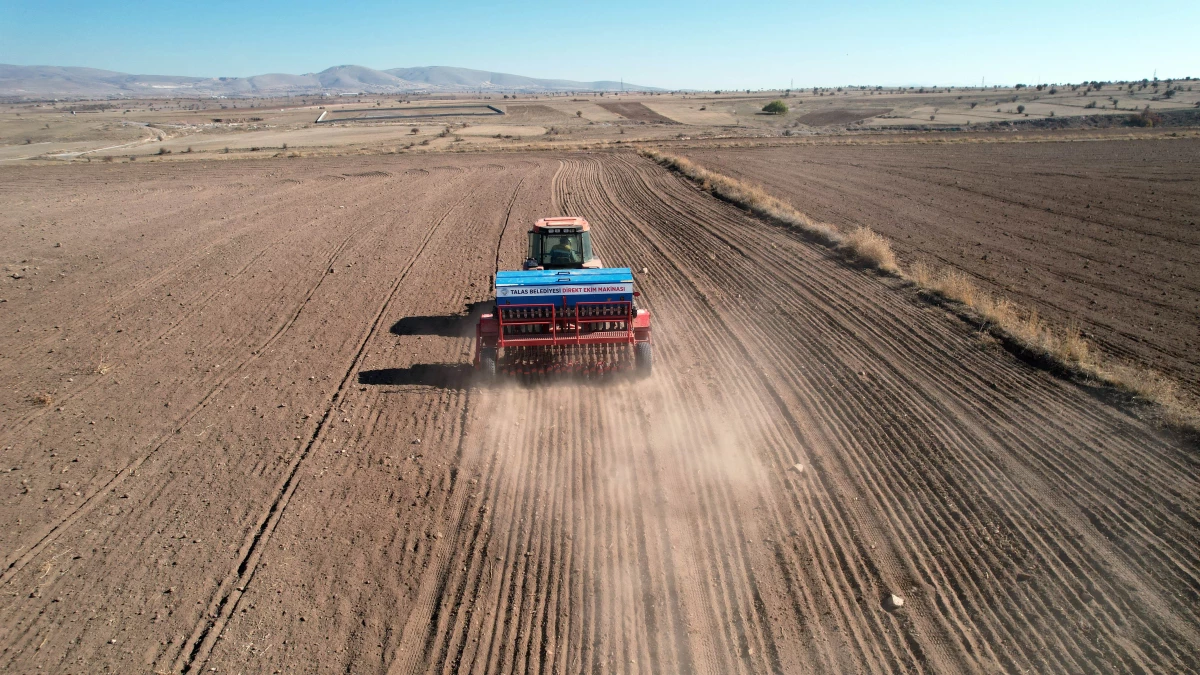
824 117
264 451
636 112
1104 233
533 113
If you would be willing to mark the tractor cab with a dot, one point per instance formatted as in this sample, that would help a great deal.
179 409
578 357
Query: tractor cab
561 243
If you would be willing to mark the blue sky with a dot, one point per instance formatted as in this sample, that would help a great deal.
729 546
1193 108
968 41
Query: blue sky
693 44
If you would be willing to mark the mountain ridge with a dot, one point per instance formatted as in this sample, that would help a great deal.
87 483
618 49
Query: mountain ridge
71 81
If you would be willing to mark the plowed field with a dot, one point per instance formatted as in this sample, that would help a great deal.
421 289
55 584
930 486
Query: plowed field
239 433
1102 233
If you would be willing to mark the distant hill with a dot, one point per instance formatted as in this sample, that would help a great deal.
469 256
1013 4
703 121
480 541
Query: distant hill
67 82
445 76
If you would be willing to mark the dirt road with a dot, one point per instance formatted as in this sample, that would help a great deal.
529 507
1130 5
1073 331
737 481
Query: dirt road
1102 233
255 446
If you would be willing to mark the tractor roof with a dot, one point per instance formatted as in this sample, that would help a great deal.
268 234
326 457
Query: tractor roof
562 221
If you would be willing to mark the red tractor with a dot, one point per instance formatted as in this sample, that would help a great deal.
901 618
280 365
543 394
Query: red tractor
564 313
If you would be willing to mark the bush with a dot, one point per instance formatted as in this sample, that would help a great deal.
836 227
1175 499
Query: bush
776 107
1020 109
973 104
1091 104
1145 118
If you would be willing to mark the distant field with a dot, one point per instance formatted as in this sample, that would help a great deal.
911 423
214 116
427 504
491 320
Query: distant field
135 127
410 112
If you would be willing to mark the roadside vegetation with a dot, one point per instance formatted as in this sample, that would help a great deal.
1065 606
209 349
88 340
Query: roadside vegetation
1056 347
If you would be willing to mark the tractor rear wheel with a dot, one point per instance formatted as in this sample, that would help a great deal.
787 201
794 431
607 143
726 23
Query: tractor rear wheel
487 364
643 358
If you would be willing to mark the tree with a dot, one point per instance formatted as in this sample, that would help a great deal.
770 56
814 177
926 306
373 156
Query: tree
776 107
579 113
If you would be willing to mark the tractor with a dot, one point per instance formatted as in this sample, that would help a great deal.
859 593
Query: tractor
564 313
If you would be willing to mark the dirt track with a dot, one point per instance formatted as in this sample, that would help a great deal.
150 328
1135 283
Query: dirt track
1103 233
263 452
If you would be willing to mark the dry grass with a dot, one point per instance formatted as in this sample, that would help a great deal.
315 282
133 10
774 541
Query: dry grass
863 244
1060 346
871 248
1064 347
747 196
42 399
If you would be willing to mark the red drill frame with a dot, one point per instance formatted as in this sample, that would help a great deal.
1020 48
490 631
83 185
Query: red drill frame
565 327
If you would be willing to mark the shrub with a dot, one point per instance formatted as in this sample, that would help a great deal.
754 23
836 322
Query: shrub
414 129
776 107
973 104
1020 109
1145 118
1053 90
1091 104
164 151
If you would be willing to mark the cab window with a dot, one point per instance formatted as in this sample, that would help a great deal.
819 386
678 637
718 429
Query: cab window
562 249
